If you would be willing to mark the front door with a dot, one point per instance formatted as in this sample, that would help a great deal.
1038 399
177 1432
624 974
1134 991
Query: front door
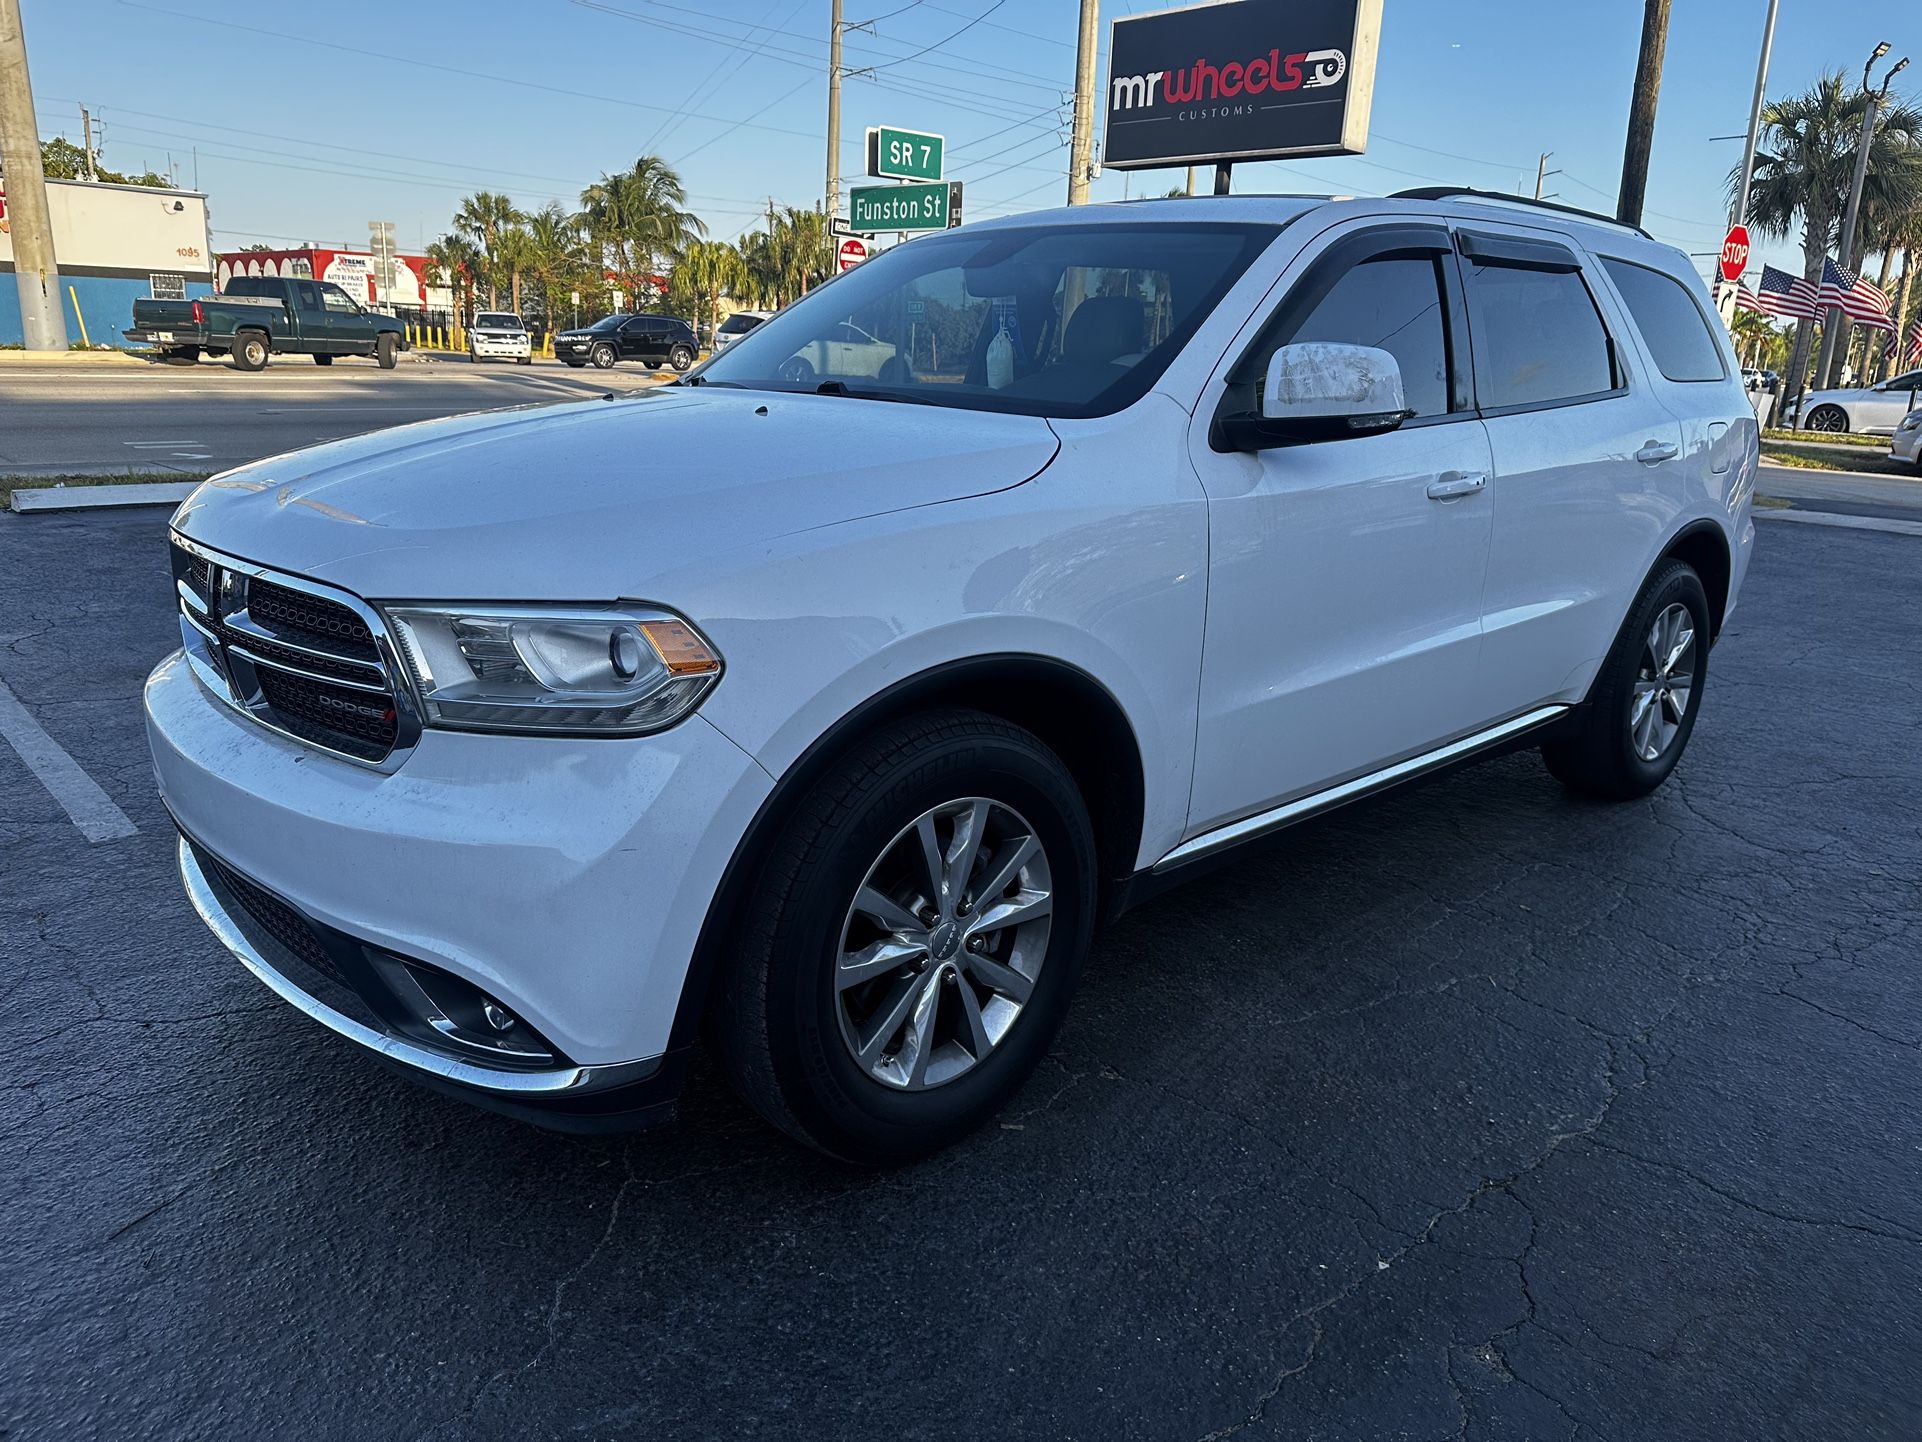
1345 577
638 340
350 330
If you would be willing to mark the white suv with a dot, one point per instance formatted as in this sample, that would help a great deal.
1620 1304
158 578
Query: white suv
499 334
829 733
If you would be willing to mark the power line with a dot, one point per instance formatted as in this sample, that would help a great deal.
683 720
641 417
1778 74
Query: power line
926 49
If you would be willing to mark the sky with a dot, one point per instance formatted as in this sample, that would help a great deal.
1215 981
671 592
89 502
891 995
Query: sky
304 122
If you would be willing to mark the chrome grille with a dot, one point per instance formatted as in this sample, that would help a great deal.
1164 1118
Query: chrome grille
301 658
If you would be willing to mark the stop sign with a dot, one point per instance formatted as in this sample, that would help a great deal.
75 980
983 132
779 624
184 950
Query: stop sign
1735 253
854 251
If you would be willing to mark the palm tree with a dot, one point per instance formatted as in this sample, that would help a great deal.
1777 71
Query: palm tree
556 258
456 264
639 217
1804 167
481 218
709 269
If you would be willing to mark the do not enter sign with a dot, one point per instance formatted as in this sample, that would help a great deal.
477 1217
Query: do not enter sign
853 252
1735 253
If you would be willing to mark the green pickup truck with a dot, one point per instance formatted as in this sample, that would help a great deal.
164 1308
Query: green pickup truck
257 316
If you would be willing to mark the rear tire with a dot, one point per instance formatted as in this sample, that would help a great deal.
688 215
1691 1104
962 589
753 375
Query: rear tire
323 360
919 1052
385 350
251 351
680 358
1646 696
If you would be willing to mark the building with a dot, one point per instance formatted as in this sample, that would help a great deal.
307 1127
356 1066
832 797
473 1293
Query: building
115 244
353 271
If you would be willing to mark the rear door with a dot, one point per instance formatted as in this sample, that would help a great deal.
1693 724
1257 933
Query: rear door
1586 479
1345 576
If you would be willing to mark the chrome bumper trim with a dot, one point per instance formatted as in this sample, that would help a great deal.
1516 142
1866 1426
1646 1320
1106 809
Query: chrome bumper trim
530 1085
1303 807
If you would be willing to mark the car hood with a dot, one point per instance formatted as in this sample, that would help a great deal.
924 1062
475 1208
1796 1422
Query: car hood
589 501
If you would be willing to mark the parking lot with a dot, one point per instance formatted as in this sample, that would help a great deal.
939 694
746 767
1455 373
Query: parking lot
1484 1112
207 417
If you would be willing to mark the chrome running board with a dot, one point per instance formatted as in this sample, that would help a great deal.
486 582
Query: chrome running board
1300 809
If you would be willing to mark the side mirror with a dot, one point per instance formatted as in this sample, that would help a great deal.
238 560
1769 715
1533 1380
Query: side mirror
1322 391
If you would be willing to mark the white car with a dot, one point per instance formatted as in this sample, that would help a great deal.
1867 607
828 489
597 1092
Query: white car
845 350
830 732
736 326
1907 445
1876 409
499 335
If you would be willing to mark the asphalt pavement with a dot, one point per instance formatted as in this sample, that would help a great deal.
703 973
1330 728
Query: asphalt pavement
1849 493
1483 1113
208 417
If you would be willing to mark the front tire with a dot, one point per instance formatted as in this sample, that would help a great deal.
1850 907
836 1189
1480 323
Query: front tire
912 940
680 358
1831 419
604 357
1642 708
384 350
323 360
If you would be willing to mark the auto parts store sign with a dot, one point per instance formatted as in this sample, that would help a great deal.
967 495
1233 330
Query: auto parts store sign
1248 80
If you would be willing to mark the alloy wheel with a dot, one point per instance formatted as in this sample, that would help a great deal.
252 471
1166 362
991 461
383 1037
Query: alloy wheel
1658 702
943 943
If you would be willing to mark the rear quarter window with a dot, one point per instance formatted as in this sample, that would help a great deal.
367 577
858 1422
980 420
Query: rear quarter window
1671 321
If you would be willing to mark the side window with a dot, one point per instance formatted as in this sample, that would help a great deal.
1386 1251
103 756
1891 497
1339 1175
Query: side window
1393 302
1671 322
1538 337
307 295
336 299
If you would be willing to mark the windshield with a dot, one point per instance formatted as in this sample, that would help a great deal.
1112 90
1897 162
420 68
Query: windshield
612 322
1061 320
497 320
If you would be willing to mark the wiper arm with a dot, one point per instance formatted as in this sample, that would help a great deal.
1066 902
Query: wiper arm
840 388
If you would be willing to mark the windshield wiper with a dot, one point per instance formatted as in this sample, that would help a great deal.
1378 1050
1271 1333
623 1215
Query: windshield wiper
840 388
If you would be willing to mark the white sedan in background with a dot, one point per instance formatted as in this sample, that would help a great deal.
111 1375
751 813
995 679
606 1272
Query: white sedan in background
1875 409
1907 445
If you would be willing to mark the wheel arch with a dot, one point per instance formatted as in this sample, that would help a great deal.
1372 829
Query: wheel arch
1071 711
1704 546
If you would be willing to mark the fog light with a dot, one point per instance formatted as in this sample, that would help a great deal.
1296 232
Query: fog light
497 1017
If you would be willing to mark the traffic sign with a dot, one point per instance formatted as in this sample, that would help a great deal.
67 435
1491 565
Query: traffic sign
852 253
873 208
904 154
838 226
1735 253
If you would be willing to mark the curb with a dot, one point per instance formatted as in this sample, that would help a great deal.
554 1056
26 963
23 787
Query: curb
71 357
1914 477
1841 522
101 498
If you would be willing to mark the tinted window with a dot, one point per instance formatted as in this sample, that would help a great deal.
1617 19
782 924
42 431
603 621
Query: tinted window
1538 336
307 295
497 320
1907 381
1670 321
739 324
1393 303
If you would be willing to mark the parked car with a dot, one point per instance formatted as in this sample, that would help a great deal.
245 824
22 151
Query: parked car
1876 409
738 325
831 730
654 340
846 350
257 316
1907 444
499 334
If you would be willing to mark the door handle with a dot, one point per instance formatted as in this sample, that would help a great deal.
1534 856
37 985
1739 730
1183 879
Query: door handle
1450 484
1655 451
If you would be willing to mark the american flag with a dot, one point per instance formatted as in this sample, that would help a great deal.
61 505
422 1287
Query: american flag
1861 302
1913 356
1779 294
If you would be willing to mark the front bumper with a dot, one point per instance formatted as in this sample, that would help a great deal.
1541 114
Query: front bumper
513 349
1905 445
567 878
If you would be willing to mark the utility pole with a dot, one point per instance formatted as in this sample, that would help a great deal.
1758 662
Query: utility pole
43 324
1641 112
1542 172
1081 151
1834 324
835 27
86 143
1725 300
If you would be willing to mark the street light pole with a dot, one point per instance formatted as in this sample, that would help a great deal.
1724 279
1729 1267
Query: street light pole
1833 323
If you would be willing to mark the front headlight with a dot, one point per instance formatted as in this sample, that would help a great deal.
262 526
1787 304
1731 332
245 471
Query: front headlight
618 671
1910 421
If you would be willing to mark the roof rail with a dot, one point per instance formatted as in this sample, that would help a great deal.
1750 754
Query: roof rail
1445 192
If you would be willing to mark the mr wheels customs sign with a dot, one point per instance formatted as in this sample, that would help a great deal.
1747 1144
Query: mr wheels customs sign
1245 80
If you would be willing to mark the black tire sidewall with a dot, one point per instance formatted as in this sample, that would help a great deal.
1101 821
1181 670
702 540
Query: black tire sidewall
604 357
842 1109
1679 583
384 352
244 353
1826 410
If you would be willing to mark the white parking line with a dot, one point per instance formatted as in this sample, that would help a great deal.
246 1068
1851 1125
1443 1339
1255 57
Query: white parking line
90 808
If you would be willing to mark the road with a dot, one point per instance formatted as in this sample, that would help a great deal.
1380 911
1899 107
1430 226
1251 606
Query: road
209 417
1483 1113
1850 493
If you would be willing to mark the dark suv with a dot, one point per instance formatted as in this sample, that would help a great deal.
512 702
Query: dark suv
654 340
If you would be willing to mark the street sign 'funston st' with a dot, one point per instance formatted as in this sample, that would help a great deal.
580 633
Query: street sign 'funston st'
1247 80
